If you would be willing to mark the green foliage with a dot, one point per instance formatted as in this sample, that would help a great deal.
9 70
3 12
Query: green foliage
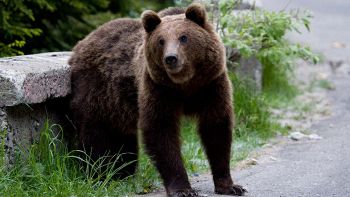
73 24
30 23
182 3
260 33
251 111
320 83
14 28
45 25
133 8
194 155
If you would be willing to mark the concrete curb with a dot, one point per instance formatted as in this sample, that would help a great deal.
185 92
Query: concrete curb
34 78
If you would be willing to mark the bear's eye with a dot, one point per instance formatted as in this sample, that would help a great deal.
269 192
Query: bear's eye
161 42
183 39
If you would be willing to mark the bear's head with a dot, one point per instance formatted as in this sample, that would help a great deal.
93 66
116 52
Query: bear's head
182 47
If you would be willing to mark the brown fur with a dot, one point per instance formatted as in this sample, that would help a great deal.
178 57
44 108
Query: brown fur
120 80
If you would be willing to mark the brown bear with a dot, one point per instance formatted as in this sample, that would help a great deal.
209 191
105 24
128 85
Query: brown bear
131 74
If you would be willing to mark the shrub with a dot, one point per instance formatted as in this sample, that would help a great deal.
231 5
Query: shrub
261 33
14 18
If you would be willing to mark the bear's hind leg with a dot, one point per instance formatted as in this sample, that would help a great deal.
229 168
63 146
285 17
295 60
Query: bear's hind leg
113 151
128 151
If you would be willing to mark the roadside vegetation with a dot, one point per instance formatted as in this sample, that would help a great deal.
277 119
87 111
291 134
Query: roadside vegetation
50 169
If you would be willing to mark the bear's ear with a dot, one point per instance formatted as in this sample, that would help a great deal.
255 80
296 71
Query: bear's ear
196 13
150 20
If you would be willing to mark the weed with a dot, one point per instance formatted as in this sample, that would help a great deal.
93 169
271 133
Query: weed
48 169
3 135
260 33
320 83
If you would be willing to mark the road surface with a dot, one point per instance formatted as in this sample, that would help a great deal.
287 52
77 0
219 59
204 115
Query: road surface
317 168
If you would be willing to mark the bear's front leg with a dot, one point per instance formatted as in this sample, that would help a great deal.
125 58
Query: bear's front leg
215 129
159 122
216 138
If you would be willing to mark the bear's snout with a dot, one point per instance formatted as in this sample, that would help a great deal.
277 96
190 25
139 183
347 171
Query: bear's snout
171 60
172 64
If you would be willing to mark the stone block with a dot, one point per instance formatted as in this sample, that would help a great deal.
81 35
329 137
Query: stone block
34 78
247 68
33 90
250 69
250 4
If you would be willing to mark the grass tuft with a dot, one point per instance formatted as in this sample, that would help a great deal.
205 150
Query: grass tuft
49 169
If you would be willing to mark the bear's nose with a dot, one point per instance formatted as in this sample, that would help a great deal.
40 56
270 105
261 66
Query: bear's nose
171 60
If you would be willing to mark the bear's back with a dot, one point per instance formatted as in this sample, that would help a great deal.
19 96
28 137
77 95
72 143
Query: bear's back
110 48
102 74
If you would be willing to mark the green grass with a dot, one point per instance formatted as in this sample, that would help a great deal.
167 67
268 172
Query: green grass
49 169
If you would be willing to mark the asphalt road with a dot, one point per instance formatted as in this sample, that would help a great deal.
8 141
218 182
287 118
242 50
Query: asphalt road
314 168
309 168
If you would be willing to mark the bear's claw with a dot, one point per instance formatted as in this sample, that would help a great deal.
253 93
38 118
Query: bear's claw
235 190
184 193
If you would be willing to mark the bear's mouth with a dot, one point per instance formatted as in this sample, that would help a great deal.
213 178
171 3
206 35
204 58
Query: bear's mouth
180 74
172 70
